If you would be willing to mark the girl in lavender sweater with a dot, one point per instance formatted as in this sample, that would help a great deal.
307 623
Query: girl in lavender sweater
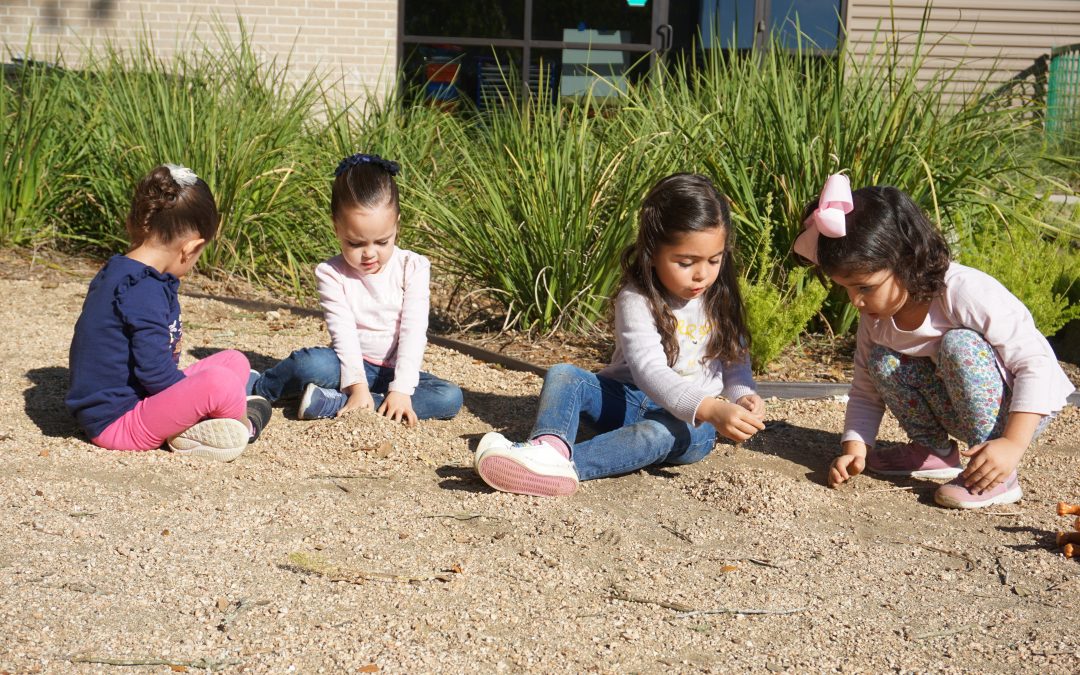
680 344
375 298
946 348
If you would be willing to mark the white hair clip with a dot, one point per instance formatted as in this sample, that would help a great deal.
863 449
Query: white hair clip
183 176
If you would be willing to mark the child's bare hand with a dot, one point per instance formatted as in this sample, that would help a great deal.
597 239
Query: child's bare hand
398 407
731 419
754 404
359 399
991 463
844 468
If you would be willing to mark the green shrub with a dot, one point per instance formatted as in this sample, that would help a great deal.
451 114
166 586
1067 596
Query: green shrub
1039 268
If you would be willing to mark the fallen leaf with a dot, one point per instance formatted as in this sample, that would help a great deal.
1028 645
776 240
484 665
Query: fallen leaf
369 668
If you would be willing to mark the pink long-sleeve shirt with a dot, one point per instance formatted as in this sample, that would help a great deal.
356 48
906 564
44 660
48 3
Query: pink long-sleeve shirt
381 318
976 301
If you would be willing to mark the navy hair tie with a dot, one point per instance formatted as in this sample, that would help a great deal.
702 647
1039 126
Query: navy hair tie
389 166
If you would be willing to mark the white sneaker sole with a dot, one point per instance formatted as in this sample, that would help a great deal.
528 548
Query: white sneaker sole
1008 497
931 474
221 439
507 471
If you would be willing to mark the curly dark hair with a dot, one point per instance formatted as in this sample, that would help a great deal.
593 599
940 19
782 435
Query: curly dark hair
365 184
887 230
677 205
162 209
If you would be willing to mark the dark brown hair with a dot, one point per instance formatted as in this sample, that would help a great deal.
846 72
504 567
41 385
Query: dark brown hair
162 209
887 230
364 185
675 206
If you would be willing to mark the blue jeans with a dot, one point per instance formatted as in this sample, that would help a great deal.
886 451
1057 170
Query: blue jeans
633 431
433 398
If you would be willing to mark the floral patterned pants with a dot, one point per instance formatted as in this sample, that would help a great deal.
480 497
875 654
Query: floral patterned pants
963 395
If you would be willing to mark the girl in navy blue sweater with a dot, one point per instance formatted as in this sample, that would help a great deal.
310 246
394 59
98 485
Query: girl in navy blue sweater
127 390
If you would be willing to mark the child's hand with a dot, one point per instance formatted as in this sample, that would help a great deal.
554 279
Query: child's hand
847 465
731 420
359 399
398 407
991 463
754 404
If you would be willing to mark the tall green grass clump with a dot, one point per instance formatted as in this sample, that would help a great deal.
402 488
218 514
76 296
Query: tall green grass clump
230 116
41 144
541 200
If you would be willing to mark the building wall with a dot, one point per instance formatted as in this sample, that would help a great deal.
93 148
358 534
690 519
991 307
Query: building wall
990 38
352 39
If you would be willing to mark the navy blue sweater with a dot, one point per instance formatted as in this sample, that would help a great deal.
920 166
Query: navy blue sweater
126 344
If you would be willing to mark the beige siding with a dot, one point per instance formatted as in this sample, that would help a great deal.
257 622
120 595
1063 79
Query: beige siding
984 39
353 39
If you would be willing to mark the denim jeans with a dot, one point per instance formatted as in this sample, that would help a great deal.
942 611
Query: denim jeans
433 398
633 431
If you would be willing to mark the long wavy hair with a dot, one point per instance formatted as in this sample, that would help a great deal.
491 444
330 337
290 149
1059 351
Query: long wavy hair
887 230
678 205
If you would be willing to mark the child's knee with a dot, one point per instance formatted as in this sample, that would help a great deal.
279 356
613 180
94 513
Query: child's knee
882 363
564 374
449 399
961 346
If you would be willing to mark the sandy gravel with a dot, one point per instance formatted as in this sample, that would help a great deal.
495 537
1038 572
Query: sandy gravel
146 557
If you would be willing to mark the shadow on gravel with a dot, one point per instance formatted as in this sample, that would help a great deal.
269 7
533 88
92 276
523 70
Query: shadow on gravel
461 478
811 448
512 416
44 402
1042 540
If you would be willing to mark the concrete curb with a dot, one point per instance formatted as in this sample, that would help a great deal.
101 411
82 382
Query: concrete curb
766 389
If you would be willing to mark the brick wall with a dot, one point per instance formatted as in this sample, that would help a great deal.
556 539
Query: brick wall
353 39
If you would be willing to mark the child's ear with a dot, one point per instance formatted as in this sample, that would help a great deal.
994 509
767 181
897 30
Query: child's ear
192 247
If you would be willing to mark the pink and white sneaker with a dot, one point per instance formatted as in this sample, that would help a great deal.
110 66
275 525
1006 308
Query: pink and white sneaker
954 495
524 468
915 460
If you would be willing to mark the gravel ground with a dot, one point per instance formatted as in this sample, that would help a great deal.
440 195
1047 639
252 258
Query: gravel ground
359 545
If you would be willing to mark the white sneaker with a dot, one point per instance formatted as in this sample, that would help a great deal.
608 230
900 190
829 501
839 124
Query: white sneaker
524 468
222 439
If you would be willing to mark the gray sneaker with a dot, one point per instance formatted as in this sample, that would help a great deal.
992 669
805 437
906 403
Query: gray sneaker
319 403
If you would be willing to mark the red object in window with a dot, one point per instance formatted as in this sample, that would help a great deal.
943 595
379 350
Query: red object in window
440 72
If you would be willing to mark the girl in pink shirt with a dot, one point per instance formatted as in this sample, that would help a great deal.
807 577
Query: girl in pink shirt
375 298
946 348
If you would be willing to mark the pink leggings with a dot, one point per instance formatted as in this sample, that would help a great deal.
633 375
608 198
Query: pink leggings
212 387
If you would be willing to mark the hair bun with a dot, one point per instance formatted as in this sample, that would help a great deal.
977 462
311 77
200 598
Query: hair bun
389 166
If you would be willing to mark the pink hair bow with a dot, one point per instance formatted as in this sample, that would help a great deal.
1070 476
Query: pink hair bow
828 218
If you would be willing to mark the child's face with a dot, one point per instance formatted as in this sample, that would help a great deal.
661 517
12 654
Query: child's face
690 264
367 237
879 295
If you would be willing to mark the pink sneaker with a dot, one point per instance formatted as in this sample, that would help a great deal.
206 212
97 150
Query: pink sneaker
954 495
915 460
524 468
